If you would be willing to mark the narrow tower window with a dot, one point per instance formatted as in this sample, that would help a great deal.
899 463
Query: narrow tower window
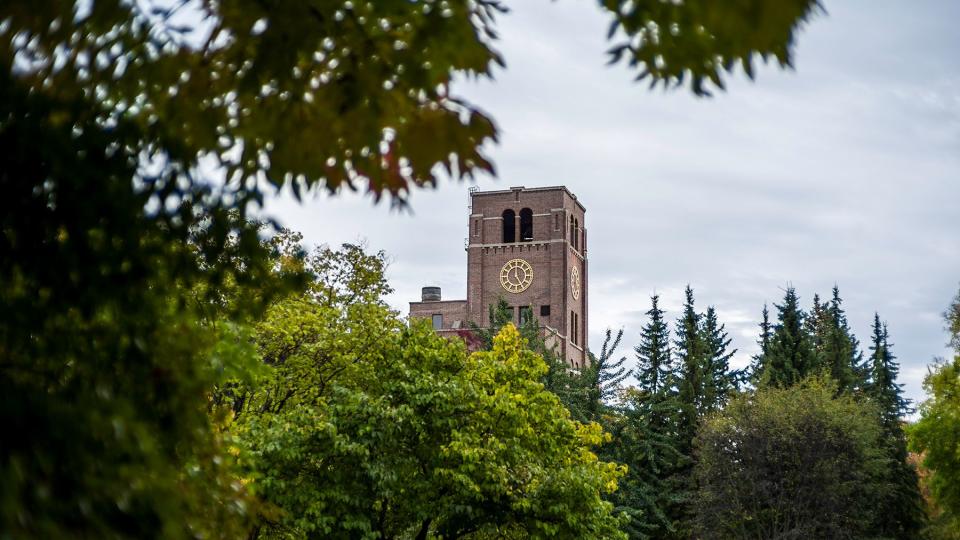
509 227
575 233
526 225
572 232
573 327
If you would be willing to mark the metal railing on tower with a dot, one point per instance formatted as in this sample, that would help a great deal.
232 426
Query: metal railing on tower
470 191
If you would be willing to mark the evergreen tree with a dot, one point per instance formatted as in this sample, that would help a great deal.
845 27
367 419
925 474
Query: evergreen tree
884 370
654 492
754 372
690 350
817 325
952 316
839 351
790 356
654 365
603 377
580 391
720 383
901 512
691 376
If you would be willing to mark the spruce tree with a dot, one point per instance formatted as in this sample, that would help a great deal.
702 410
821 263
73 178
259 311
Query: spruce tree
603 377
839 351
790 356
901 512
690 350
656 489
753 373
815 320
884 369
654 365
720 383
643 428
817 325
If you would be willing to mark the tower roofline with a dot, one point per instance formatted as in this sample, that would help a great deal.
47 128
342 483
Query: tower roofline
522 188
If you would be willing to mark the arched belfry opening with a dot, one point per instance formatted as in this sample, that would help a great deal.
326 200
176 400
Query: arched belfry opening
526 225
509 226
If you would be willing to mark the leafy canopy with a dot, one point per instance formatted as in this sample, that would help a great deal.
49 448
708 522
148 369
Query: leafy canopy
936 436
699 40
363 427
792 462
334 94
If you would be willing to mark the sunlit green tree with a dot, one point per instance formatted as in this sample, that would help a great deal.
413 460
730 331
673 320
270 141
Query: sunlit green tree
936 436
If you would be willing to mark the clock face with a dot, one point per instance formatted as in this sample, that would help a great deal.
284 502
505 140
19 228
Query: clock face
575 282
516 275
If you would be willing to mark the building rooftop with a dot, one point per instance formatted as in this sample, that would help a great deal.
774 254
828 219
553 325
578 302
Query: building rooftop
526 189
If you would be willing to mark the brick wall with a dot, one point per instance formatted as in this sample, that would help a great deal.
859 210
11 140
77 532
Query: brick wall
550 253
453 311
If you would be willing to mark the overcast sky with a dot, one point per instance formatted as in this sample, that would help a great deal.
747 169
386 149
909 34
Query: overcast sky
844 171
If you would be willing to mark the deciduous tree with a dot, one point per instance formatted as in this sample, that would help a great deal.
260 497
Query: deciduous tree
795 462
423 440
936 435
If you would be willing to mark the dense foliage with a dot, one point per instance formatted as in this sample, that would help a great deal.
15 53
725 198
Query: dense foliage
936 436
363 427
106 353
333 94
683 388
790 463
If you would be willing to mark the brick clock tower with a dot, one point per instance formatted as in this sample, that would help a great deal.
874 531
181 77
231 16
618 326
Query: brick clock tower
529 246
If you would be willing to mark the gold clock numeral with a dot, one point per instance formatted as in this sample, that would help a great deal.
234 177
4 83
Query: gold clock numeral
516 276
